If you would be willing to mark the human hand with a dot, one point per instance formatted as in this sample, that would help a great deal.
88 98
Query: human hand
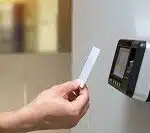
58 107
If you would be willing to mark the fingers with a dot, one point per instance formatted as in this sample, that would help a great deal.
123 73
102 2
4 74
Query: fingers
82 100
85 110
67 87
71 97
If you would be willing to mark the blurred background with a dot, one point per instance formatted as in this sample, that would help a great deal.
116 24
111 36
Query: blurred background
35 49
35 26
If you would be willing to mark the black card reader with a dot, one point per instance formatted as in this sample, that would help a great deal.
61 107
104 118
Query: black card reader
129 71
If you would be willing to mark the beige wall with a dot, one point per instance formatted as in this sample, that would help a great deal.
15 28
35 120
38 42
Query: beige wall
23 77
11 82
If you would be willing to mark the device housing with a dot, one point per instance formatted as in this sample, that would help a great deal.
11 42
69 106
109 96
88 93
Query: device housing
130 69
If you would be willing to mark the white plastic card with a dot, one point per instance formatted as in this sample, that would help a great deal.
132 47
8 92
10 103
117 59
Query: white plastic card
88 66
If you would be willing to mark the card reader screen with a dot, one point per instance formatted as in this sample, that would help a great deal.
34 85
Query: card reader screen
121 62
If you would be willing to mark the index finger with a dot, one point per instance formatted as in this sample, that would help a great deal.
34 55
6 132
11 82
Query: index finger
81 101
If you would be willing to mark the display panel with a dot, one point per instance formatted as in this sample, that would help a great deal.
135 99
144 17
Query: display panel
121 62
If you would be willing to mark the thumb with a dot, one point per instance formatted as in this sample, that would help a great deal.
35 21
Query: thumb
66 88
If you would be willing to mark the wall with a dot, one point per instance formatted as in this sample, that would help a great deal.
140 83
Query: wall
11 81
102 23
23 77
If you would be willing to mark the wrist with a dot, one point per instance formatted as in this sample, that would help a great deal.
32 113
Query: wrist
21 120
8 121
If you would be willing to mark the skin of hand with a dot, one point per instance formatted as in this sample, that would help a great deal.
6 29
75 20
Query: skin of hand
54 108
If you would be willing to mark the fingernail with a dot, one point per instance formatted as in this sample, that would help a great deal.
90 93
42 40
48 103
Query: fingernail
82 84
